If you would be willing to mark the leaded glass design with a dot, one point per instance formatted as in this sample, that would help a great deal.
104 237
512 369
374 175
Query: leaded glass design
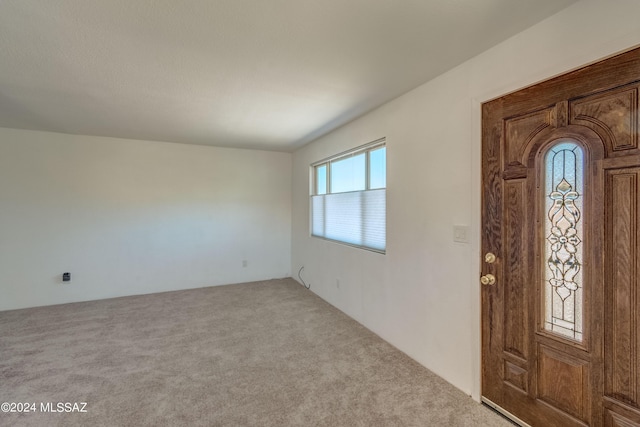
563 287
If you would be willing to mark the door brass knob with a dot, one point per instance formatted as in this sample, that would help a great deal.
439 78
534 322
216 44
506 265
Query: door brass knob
488 279
490 258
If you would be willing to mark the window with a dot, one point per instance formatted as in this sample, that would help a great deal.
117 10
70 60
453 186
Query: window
348 201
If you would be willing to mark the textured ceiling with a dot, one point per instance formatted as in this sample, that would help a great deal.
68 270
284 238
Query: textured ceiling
267 74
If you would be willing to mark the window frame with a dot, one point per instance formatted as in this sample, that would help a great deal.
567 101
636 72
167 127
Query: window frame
326 162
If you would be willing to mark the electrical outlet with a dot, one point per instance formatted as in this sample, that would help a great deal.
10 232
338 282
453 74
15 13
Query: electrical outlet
244 263
338 283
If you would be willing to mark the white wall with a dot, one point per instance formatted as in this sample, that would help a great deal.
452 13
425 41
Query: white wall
423 295
130 217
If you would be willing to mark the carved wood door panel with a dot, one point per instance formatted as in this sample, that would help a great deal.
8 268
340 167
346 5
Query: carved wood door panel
561 217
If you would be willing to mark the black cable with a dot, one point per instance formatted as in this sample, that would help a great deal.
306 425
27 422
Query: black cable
301 279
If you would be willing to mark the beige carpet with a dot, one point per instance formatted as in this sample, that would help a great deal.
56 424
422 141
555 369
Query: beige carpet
257 354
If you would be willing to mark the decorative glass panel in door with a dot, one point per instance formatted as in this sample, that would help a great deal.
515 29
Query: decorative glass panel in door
563 293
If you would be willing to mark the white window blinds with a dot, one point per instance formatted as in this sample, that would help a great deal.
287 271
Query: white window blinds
357 218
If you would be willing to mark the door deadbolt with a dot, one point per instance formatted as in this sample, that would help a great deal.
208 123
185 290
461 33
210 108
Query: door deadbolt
488 279
490 258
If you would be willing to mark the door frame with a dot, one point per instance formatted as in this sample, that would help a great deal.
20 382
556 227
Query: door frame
539 76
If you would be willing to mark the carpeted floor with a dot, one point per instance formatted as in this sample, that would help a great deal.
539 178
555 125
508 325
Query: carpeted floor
257 354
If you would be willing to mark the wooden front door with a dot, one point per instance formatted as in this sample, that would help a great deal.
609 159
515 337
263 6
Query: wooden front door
561 217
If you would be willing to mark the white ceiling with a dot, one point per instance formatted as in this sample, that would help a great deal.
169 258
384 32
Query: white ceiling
267 74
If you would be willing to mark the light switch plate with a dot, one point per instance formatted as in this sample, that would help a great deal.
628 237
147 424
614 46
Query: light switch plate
461 233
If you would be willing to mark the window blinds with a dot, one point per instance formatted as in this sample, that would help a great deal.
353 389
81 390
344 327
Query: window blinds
357 218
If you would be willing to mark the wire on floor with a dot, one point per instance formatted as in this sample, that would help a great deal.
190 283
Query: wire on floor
301 279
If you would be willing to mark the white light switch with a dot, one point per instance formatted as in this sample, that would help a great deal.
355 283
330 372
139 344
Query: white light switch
461 233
